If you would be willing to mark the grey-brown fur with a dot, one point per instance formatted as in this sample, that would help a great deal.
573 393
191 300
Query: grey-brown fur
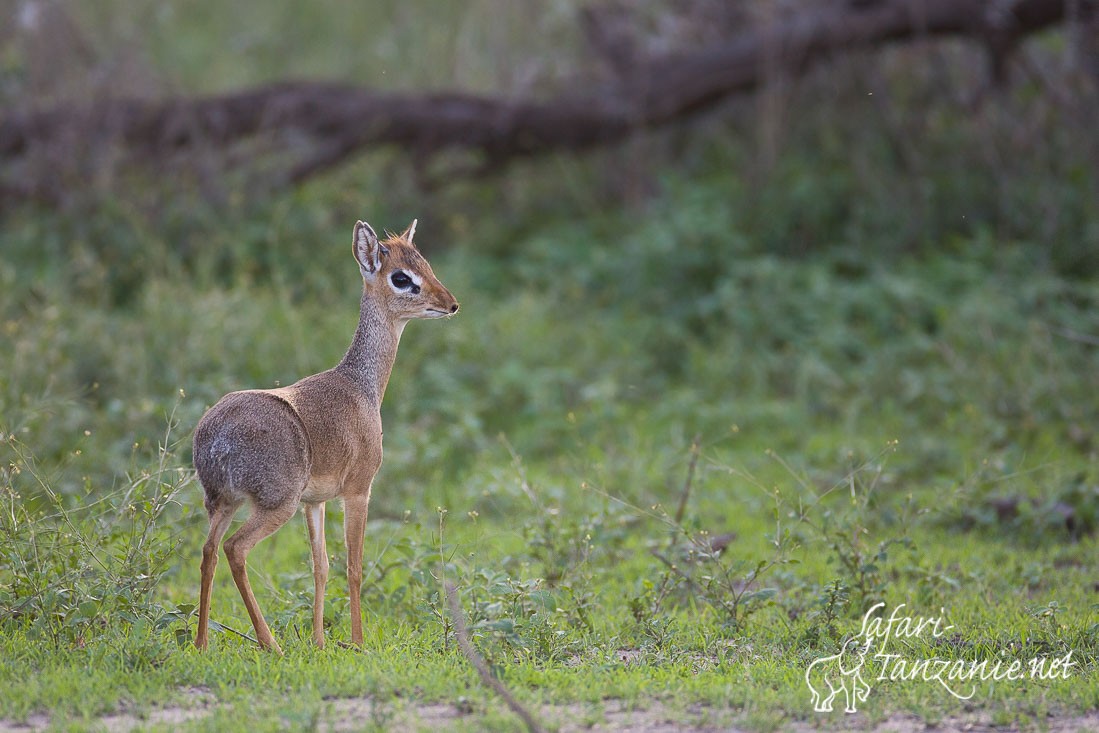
251 445
316 440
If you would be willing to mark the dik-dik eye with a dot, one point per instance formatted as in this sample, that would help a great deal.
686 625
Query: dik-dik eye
403 281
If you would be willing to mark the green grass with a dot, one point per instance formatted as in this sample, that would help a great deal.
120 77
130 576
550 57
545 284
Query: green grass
891 375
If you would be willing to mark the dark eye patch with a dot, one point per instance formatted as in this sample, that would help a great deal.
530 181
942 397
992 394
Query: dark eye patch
400 280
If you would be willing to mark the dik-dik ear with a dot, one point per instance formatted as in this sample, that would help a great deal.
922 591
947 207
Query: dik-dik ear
368 250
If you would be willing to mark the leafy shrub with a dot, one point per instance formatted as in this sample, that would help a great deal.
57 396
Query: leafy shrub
68 573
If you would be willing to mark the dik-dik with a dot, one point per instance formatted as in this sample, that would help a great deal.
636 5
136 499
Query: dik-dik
316 440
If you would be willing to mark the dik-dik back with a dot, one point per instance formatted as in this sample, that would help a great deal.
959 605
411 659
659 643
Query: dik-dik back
318 439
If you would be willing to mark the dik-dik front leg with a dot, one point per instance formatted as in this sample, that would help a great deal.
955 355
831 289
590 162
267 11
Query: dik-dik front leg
314 521
354 528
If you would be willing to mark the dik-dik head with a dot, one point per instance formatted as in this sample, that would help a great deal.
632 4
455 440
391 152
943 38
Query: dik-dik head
400 278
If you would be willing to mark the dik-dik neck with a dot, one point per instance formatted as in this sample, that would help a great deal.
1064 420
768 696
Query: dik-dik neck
369 359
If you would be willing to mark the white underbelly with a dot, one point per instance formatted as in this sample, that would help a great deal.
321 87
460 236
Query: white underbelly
321 488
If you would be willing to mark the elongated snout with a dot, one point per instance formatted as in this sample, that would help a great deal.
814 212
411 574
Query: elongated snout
443 304
453 307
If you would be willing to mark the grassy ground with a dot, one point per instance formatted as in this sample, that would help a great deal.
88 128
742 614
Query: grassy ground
917 434
669 452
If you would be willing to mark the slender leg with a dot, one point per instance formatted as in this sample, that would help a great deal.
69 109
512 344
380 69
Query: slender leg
262 523
354 527
314 520
220 518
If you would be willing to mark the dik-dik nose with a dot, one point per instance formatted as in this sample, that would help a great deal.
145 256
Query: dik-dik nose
454 307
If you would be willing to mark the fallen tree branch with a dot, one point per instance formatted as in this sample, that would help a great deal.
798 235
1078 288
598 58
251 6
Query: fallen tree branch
319 125
478 662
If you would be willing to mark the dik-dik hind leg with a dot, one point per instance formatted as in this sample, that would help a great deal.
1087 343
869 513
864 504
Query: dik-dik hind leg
354 527
221 516
314 521
262 523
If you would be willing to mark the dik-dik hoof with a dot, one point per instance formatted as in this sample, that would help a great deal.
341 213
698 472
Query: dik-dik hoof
272 647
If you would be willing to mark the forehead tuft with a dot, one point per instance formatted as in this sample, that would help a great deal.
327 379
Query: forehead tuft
402 254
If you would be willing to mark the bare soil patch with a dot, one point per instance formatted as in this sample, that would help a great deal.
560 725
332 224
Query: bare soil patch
352 714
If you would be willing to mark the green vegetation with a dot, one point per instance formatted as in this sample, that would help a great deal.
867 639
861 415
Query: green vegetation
891 370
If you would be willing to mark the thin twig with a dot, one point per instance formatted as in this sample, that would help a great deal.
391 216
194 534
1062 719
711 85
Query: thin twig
685 493
349 645
517 461
479 664
672 567
1080 338
222 627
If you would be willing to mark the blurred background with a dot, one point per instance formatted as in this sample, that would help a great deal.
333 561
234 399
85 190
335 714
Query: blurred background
789 224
